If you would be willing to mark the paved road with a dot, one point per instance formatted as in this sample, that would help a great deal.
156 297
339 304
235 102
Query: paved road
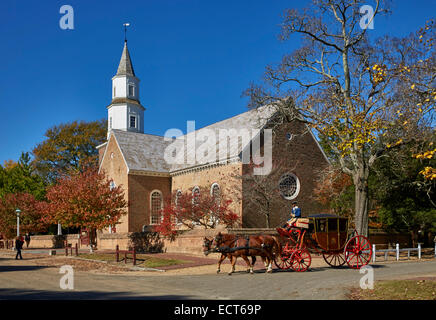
19 280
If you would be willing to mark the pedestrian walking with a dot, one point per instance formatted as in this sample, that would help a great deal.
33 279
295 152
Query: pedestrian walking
27 239
18 246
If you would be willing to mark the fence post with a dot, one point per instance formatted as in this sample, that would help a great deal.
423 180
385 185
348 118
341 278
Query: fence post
373 253
419 251
77 251
397 249
134 256
117 253
125 257
435 249
66 247
408 254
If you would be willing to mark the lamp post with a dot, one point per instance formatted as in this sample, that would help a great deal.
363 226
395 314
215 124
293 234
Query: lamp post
17 211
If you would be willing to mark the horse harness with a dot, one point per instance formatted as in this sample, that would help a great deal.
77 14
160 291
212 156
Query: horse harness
231 249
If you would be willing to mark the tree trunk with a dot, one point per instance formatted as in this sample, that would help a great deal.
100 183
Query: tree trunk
361 203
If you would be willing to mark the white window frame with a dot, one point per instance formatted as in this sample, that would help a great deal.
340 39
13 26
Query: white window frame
298 186
151 205
177 222
193 190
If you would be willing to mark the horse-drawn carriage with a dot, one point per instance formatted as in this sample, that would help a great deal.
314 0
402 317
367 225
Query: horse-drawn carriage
324 234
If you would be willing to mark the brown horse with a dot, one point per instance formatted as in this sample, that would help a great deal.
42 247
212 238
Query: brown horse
264 246
207 248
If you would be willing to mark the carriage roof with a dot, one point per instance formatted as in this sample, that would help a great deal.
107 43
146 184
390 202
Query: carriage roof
325 216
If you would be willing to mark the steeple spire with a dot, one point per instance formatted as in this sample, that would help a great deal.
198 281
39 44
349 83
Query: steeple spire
125 67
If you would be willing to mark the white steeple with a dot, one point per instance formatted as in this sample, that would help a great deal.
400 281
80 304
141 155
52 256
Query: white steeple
125 111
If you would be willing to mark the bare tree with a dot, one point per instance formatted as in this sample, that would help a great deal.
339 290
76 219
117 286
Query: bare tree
343 86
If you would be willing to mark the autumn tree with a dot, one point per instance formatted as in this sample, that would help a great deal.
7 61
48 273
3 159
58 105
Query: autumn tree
67 147
344 86
193 209
85 199
31 215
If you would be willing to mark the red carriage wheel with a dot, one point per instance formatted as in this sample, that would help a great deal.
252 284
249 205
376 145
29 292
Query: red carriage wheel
282 262
358 252
334 259
301 260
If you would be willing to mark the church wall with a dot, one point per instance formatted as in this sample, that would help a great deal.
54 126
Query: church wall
229 187
115 168
300 156
140 189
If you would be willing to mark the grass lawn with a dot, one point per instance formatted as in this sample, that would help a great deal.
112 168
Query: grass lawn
142 260
398 290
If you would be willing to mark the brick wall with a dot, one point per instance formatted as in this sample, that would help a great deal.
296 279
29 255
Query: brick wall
209 176
300 156
140 189
114 166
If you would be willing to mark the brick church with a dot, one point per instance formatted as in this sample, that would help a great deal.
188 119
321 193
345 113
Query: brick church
140 162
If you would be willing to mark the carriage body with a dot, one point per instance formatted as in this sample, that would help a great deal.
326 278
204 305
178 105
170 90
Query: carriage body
329 232
327 235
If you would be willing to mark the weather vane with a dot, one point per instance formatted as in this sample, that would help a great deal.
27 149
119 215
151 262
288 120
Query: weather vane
125 30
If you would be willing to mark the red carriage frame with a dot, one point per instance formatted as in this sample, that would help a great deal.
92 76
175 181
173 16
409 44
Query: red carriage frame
327 235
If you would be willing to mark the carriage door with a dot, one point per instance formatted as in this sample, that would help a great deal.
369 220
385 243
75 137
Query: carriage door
333 234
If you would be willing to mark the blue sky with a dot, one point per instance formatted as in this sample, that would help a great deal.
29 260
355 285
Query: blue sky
194 59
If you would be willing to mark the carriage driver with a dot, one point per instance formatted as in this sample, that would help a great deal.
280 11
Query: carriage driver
295 215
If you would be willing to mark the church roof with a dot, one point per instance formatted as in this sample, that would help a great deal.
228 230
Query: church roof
125 67
145 152
142 152
253 120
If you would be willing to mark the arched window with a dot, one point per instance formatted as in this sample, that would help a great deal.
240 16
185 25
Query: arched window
289 186
195 193
156 206
178 195
215 192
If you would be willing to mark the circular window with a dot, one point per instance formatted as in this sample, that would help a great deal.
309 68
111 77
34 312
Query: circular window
289 186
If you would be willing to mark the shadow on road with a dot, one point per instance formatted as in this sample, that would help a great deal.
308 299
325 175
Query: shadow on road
20 268
22 294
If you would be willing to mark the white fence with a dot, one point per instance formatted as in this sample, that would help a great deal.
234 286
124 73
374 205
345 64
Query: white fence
397 251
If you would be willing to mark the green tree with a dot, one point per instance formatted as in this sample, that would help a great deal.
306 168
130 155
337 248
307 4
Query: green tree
403 194
20 177
67 147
